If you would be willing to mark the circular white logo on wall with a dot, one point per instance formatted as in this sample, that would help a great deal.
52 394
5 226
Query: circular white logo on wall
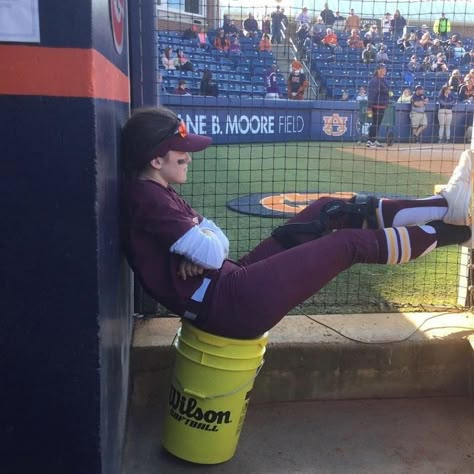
117 19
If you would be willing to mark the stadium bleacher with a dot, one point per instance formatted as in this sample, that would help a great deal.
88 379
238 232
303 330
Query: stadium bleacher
343 70
241 75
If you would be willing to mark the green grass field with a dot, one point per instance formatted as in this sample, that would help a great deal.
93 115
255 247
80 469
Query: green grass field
224 172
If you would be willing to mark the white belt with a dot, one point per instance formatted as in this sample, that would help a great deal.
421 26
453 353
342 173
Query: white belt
196 298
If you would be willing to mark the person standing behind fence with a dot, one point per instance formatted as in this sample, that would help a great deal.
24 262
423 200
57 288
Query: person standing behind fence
397 24
378 98
442 27
352 22
418 118
277 19
445 113
327 15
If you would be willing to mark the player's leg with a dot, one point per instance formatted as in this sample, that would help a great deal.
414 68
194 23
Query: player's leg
326 214
252 299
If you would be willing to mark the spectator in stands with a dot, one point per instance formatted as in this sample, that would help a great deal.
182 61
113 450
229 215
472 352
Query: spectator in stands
361 94
404 43
234 47
352 22
277 24
181 89
413 64
168 59
318 31
339 22
405 98
418 118
445 113
204 42
229 26
265 43
427 64
297 82
378 99
345 95
382 56
331 39
301 34
440 64
355 41
466 90
435 48
266 25
442 27
235 53
426 41
327 15
191 33
369 54
397 25
221 41
284 19
386 23
455 49
303 18
271 82
415 42
468 58
251 26
181 62
208 86
373 36
455 80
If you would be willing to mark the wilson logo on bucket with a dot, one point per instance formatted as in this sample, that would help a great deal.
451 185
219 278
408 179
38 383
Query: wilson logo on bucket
187 409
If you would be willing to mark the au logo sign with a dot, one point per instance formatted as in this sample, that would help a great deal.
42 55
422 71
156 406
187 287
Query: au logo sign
335 125
279 204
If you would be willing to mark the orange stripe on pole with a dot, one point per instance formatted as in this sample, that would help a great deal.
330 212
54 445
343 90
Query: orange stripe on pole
60 72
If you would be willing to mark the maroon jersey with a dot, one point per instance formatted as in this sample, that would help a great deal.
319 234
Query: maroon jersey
155 218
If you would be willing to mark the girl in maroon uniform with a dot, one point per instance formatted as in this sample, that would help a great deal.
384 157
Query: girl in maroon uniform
181 258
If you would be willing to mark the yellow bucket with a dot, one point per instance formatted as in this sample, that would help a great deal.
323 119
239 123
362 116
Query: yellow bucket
210 391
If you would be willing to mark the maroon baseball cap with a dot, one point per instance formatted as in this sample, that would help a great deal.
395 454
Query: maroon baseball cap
179 139
154 131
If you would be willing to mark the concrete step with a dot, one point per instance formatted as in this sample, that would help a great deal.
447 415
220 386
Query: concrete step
305 360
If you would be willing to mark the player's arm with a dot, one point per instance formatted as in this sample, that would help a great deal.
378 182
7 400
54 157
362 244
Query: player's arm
204 245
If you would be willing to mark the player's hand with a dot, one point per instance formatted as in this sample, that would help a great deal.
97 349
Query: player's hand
189 269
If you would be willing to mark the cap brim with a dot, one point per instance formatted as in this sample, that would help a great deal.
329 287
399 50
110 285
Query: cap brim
191 142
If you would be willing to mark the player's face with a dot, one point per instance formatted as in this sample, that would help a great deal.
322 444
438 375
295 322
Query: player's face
174 167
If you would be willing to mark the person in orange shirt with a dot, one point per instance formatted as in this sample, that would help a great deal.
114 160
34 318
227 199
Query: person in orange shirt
330 39
265 43
221 41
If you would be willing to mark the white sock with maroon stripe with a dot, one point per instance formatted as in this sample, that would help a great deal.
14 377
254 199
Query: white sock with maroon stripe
396 213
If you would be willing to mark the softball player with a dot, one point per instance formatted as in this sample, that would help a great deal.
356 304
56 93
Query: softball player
181 258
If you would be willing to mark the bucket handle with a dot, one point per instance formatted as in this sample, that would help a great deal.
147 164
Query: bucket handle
221 395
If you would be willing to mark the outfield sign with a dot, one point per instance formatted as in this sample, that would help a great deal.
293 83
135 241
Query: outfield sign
249 126
230 121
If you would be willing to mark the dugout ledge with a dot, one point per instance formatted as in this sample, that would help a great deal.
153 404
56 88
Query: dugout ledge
307 361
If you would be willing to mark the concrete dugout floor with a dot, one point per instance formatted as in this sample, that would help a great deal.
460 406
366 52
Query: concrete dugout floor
430 435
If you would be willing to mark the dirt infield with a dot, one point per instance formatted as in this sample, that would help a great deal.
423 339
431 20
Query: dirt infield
433 158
